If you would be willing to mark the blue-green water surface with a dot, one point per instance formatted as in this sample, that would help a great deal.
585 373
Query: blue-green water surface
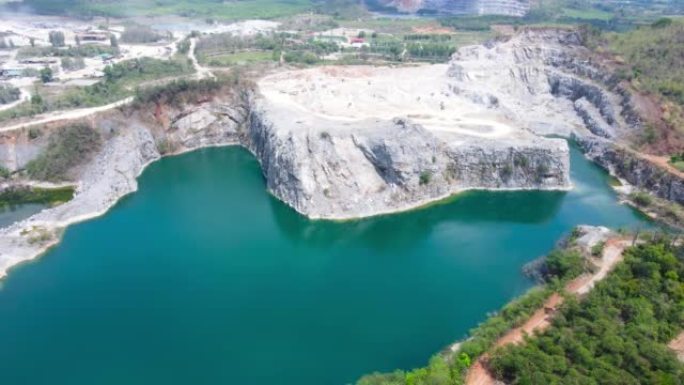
201 277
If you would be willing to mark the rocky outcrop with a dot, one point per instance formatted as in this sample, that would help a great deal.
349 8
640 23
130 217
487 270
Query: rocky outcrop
592 118
388 166
585 71
634 169
547 81
575 89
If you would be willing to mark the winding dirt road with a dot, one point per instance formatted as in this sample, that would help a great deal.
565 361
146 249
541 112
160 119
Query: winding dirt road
541 319
67 115
201 72
24 96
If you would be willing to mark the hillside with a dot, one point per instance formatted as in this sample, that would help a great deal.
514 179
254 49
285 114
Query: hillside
617 335
649 59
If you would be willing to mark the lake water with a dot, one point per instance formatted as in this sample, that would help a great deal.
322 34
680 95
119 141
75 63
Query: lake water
14 213
201 277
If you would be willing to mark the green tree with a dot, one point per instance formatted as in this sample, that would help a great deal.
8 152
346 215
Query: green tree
46 75
56 38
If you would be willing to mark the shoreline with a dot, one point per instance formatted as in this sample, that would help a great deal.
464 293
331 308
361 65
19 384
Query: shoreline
63 225
57 227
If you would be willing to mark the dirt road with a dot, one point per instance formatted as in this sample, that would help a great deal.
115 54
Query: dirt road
662 162
541 319
202 72
67 115
24 96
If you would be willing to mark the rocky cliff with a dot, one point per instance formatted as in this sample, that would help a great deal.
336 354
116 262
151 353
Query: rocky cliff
132 139
387 166
342 142
633 168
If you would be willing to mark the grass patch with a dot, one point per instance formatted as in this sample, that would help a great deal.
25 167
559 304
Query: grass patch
218 10
25 194
642 199
587 14
240 58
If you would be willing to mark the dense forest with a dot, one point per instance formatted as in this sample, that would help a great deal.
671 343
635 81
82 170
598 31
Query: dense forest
617 335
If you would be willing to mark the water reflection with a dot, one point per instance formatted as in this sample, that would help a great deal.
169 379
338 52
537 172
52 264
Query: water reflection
405 229
14 213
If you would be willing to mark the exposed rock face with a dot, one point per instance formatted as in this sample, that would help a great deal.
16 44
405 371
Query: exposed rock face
543 79
386 166
341 142
475 7
131 143
636 171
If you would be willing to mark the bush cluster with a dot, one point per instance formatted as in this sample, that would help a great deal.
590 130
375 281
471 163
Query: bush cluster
67 147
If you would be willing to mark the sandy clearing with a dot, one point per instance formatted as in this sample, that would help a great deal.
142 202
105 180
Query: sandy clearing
348 94
677 345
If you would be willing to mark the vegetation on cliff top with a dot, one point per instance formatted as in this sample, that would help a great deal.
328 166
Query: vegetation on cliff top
67 148
649 60
119 82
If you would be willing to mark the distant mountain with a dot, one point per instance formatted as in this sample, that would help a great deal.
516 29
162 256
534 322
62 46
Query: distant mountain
473 7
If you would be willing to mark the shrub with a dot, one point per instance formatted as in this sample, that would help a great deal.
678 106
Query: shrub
34 133
521 161
597 249
67 147
425 178
617 334
4 173
140 34
663 22
8 93
46 75
56 38
641 199
564 264
178 91
75 64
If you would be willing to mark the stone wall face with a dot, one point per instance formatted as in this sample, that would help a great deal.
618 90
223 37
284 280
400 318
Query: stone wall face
384 167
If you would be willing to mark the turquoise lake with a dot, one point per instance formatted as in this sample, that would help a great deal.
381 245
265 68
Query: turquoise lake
201 277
